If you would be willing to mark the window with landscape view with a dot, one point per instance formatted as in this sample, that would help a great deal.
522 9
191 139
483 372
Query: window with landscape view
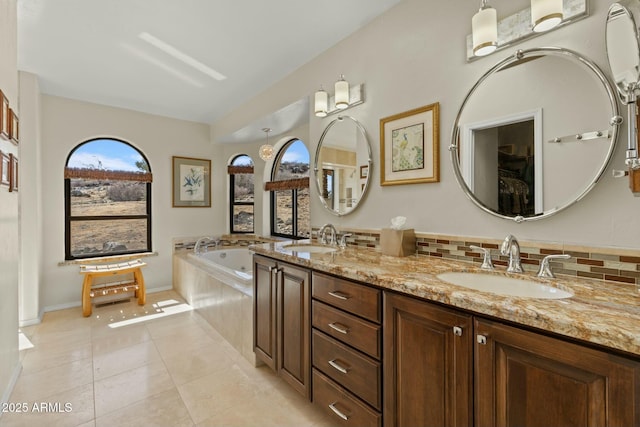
241 194
289 189
107 200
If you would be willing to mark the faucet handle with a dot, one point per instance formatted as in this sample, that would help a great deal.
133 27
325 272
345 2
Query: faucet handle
343 240
545 268
487 264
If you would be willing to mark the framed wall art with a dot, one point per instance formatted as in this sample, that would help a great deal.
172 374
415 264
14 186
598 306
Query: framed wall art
191 182
409 146
13 173
14 127
5 169
4 116
364 171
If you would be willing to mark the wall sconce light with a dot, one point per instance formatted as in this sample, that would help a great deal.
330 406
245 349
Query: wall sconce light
342 93
545 14
484 25
321 102
266 151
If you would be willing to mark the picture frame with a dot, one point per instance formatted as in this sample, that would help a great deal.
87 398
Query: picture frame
364 171
410 146
191 182
5 169
13 173
4 117
14 127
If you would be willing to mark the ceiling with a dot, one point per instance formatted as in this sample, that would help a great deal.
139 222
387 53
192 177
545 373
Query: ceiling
131 53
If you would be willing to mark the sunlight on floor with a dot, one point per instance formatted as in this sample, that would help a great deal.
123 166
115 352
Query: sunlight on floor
162 309
23 342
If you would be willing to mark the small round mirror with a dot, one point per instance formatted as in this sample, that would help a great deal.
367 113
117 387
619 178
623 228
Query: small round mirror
342 165
534 134
621 36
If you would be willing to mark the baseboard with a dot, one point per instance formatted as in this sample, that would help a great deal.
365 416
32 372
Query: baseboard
79 303
30 322
12 383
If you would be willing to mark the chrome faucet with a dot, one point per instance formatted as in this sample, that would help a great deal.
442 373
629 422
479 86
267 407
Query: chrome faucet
332 237
510 246
197 249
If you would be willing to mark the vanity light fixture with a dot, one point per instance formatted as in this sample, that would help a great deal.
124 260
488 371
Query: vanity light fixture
484 25
342 93
266 151
545 14
321 102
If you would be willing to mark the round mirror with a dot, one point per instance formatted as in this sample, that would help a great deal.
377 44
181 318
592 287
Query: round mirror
534 134
621 36
342 165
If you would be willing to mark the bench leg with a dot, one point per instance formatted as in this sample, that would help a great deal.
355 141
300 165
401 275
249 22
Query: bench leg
141 293
86 298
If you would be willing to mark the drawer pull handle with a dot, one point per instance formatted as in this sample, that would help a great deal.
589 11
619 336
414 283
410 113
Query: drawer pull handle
337 411
338 367
339 295
338 327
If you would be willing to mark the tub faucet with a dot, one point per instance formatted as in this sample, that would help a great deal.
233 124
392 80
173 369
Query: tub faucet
511 247
197 249
322 234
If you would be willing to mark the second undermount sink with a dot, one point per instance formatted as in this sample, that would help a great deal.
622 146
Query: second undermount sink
310 248
504 285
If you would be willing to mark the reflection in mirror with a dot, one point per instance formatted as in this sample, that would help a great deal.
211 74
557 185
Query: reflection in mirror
534 135
342 163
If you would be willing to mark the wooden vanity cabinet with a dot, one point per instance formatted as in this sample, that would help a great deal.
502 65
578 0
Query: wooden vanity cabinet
525 379
281 320
346 350
428 359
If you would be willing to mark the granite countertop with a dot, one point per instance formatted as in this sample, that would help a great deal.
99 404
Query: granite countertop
600 312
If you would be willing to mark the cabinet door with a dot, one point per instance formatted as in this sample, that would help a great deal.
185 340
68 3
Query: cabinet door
264 310
527 379
293 326
427 364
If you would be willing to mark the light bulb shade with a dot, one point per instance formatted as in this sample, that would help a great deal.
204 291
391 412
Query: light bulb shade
266 152
321 103
545 14
484 25
342 94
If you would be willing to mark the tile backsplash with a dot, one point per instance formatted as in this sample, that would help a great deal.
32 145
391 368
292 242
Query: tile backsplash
615 264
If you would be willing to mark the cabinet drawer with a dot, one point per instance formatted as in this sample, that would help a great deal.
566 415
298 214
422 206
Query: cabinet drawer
342 406
355 298
352 330
358 373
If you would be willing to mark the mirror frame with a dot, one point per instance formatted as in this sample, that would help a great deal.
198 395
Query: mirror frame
317 157
523 55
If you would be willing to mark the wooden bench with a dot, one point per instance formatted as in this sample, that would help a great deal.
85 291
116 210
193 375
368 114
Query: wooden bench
91 290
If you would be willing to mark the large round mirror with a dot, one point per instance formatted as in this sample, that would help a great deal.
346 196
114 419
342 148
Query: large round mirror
342 165
534 134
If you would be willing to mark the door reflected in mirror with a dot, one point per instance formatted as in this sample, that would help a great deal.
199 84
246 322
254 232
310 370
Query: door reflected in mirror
342 154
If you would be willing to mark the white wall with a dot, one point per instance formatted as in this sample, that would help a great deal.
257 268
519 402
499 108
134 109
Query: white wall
9 243
412 56
65 124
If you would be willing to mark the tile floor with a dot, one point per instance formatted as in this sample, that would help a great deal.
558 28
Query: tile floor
154 369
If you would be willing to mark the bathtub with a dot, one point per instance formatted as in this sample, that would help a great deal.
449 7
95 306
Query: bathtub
233 265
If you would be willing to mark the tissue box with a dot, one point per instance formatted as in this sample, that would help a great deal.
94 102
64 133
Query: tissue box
398 242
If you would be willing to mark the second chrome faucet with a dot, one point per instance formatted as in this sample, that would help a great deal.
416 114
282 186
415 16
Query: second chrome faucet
511 247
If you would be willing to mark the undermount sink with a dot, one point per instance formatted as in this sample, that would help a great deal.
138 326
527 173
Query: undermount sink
310 248
504 285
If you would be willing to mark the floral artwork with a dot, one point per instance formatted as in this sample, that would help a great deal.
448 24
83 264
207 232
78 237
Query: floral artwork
407 145
192 179
191 182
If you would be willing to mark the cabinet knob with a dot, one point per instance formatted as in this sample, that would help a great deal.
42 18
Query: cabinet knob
481 339
457 331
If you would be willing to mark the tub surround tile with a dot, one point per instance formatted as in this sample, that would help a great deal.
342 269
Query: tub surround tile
604 312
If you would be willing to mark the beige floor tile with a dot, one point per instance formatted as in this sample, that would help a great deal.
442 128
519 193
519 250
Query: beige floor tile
106 340
127 388
164 409
51 354
185 341
38 385
203 361
124 359
174 324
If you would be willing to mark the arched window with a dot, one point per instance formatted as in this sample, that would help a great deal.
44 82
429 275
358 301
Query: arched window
107 188
289 188
241 194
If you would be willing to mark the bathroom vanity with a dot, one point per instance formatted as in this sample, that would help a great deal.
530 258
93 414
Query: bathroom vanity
381 340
